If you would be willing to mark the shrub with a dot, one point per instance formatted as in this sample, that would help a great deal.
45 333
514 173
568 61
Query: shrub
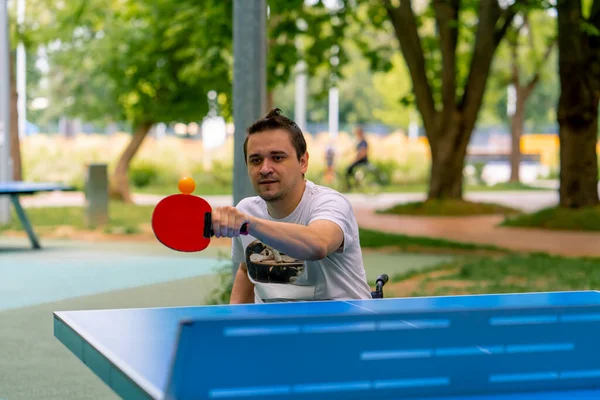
143 174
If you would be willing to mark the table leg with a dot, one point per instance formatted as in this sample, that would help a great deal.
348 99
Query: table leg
25 221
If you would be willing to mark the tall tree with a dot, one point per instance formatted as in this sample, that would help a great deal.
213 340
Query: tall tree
142 62
523 60
299 30
579 67
448 92
154 61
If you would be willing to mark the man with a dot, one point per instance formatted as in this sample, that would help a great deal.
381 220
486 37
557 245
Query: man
302 242
361 155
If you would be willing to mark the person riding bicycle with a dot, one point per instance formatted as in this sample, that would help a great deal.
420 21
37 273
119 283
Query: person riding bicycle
362 148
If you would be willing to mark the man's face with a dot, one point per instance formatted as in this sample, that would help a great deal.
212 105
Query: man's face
273 167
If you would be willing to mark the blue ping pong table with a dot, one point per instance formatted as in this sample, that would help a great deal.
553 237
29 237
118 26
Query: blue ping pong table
535 346
14 189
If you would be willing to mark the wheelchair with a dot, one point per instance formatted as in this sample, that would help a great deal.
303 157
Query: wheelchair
378 292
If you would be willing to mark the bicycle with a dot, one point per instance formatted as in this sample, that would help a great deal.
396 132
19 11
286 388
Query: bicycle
368 178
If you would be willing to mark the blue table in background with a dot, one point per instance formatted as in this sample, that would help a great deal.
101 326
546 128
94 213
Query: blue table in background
536 346
15 189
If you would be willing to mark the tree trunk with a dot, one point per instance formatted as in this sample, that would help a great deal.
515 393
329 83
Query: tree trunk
577 112
517 121
119 185
15 145
449 127
579 161
448 154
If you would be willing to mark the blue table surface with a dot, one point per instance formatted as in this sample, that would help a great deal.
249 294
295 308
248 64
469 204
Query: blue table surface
141 342
20 187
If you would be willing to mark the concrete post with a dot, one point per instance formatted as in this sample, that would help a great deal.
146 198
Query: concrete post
96 194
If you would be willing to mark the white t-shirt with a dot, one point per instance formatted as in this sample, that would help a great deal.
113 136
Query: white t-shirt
340 275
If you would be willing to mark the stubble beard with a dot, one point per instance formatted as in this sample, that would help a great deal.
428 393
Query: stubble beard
279 195
273 197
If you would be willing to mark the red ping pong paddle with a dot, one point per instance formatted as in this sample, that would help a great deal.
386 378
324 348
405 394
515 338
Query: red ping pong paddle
183 222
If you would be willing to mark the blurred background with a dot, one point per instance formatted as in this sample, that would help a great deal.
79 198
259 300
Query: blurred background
481 119
90 74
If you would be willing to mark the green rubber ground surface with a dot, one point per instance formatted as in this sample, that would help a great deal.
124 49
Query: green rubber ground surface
68 275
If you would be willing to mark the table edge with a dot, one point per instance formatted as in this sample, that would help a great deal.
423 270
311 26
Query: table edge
125 372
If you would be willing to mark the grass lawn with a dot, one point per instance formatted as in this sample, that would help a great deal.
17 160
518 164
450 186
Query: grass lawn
583 219
499 187
474 269
478 269
124 218
448 208
380 240
509 273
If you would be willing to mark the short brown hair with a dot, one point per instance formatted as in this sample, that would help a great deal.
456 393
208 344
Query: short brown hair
275 120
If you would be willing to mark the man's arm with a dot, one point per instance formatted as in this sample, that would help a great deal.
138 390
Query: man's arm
313 242
243 288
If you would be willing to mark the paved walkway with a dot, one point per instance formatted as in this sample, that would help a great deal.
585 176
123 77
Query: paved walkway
527 201
480 229
484 230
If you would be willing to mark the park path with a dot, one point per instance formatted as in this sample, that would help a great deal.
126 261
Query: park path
477 229
484 230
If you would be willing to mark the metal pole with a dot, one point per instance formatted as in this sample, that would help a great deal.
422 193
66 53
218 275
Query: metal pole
249 82
333 95
333 112
301 85
300 103
21 74
5 159
249 85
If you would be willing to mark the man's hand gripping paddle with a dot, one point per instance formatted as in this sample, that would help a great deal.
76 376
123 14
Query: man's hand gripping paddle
183 222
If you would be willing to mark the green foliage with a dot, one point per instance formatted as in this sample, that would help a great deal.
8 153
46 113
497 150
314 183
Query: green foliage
222 173
533 38
123 218
375 239
448 207
511 273
395 87
534 266
299 30
222 293
156 60
579 219
372 33
359 97
143 60
143 174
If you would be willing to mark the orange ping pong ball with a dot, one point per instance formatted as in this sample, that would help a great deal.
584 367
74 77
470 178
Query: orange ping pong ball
186 185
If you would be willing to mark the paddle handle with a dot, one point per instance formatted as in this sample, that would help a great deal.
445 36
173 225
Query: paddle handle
208 231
